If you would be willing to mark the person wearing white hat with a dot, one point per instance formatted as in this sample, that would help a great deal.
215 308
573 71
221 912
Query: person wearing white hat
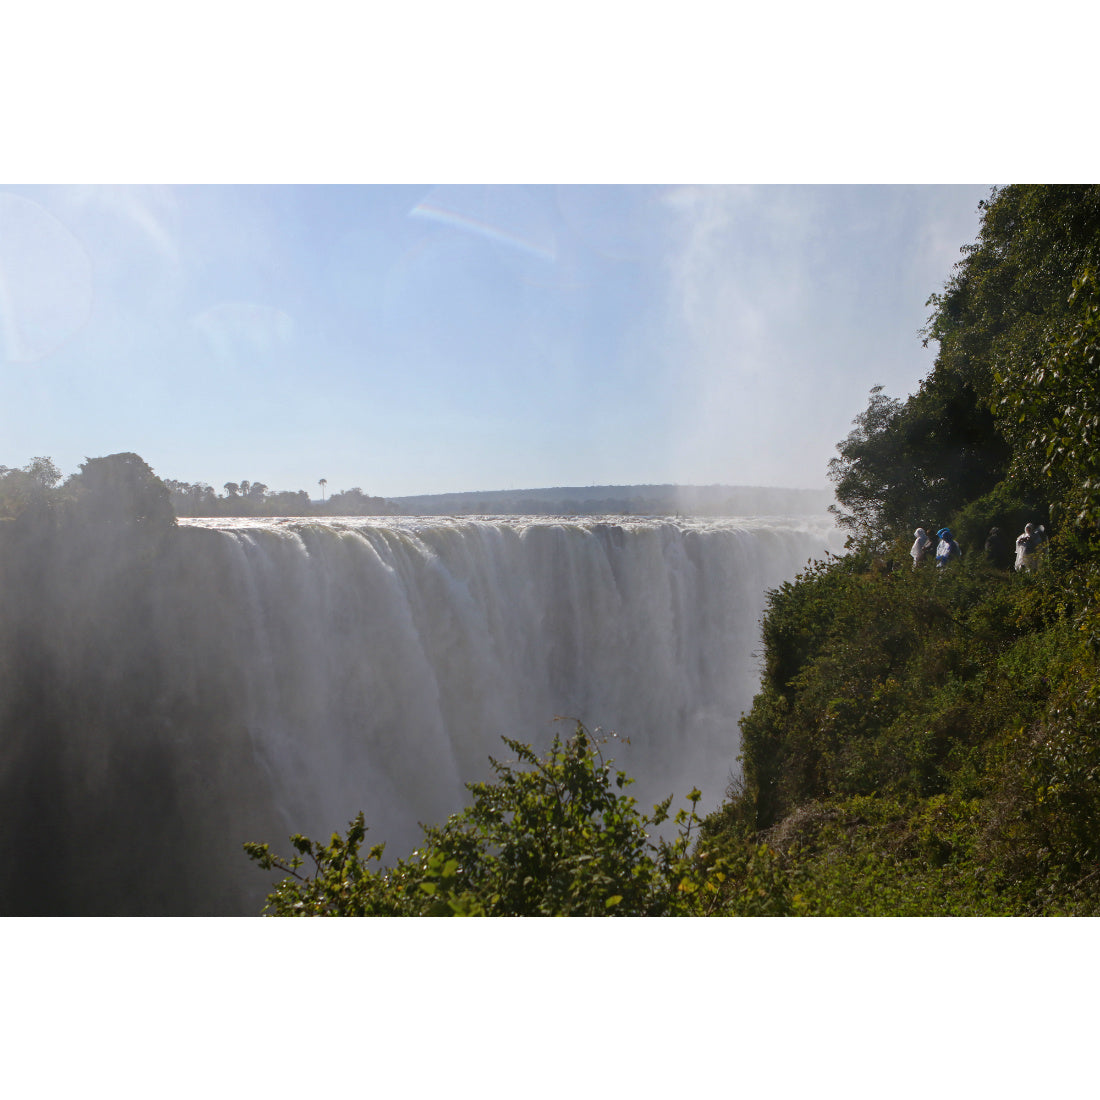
1026 546
921 545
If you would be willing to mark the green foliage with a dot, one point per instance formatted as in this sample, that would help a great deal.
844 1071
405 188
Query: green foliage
552 836
1008 299
1013 280
254 498
1007 507
33 487
913 463
342 884
1012 386
855 649
874 856
927 741
121 491
1043 825
867 459
1057 404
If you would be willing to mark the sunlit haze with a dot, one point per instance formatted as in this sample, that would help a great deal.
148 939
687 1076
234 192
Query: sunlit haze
421 339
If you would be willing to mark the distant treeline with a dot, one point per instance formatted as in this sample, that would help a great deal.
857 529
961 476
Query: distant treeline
41 479
698 500
254 498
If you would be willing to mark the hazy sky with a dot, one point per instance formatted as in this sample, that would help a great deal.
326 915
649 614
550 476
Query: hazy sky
409 339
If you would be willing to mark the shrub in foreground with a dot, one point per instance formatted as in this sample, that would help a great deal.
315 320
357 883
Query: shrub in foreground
551 836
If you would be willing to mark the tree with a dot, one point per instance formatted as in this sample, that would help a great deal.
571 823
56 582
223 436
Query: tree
916 462
867 463
955 440
188 499
354 502
994 317
43 472
34 487
1056 403
122 490
554 835
287 503
323 482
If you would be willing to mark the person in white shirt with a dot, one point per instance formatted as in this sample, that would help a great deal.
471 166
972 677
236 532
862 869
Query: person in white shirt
1027 545
920 547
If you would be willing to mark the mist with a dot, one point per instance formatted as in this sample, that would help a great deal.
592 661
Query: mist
170 692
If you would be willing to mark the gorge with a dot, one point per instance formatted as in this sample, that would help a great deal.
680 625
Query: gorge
243 679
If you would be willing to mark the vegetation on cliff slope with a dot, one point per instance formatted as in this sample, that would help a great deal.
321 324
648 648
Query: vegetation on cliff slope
928 740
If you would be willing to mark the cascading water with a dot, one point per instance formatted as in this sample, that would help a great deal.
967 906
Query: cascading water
284 674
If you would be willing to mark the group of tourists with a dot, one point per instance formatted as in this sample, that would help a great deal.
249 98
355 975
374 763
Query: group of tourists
946 548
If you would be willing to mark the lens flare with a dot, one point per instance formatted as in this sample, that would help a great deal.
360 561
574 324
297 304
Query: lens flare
45 281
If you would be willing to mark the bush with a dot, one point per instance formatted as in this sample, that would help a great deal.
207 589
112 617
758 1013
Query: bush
552 836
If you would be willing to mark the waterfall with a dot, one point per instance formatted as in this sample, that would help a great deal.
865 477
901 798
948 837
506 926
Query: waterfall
278 676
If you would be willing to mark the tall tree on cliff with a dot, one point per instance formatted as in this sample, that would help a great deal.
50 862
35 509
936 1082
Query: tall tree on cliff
968 428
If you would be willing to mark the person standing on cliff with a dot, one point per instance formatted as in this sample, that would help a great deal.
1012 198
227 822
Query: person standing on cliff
921 546
1027 545
994 546
947 549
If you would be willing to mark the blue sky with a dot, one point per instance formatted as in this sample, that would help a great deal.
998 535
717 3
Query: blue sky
422 338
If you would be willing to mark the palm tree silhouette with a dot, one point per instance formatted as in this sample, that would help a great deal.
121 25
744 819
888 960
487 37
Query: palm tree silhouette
323 482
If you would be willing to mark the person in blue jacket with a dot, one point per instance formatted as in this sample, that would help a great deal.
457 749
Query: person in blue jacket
947 548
